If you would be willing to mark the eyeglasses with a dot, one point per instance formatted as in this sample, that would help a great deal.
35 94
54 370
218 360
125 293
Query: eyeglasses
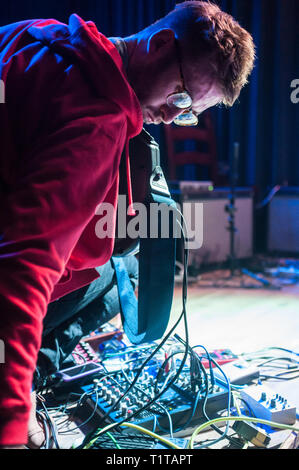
182 100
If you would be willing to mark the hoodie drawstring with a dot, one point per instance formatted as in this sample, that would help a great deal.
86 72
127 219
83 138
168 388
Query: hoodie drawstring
131 210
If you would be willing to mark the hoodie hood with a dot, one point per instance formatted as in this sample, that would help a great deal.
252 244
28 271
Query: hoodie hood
82 43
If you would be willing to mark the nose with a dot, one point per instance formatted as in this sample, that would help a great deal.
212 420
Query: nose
169 113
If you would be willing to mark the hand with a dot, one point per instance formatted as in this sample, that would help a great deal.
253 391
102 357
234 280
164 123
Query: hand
13 447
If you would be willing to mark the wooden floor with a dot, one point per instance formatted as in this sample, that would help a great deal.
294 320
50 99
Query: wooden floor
243 320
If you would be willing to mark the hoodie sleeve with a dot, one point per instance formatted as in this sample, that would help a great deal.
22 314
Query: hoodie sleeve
69 174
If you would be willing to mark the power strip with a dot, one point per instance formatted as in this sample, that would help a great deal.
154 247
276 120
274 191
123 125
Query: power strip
267 404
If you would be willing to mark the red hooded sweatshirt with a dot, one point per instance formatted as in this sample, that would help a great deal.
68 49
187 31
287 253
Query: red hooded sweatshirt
69 112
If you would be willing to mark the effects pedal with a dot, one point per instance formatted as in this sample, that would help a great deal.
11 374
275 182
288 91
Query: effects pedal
221 356
84 353
266 404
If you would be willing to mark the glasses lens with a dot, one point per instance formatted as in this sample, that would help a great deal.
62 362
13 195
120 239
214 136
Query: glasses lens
186 119
180 100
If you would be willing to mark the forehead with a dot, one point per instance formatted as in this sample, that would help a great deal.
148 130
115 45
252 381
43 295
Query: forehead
202 84
207 97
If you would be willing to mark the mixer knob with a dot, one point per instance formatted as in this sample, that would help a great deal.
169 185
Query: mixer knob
128 400
151 380
123 409
113 399
129 413
134 400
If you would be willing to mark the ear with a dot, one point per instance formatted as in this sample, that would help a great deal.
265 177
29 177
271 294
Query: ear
160 40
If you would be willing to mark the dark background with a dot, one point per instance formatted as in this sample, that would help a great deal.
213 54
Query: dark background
264 121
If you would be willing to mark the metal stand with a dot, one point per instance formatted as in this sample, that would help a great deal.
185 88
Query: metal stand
231 209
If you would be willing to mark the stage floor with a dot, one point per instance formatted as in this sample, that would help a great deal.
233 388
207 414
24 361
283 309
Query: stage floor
242 320
239 319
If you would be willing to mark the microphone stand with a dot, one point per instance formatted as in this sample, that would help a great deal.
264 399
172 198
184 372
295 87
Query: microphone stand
231 209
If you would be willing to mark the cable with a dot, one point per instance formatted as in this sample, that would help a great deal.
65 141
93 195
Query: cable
268 198
88 419
162 367
157 404
113 440
238 418
133 383
274 359
72 414
232 386
235 397
155 423
169 419
126 351
185 425
184 316
277 377
193 410
138 428
42 418
196 398
270 349
210 364
229 386
223 435
80 355
50 423
238 396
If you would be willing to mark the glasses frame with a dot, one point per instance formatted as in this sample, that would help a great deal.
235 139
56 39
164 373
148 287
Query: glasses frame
188 110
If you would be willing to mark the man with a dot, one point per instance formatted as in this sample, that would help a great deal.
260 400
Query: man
73 100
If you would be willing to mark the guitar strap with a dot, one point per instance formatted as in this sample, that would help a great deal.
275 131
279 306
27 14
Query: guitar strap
146 319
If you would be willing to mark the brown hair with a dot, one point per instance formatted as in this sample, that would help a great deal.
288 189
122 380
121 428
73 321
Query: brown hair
207 30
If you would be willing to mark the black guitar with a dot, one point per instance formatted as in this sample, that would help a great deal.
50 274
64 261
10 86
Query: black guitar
147 178
147 319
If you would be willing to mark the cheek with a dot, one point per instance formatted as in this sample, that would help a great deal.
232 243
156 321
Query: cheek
152 95
155 86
